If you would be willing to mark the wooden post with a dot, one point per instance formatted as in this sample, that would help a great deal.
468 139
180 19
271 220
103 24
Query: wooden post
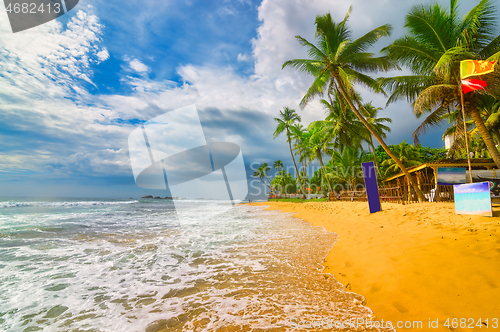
409 191
400 193
436 192
465 133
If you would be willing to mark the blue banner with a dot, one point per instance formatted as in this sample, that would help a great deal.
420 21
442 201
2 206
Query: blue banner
371 187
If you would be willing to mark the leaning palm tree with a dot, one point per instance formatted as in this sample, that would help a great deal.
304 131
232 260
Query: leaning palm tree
299 136
489 108
343 128
278 164
279 178
319 143
337 63
406 153
371 114
288 117
436 42
261 173
347 165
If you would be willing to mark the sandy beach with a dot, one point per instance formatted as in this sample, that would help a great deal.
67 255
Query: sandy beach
413 262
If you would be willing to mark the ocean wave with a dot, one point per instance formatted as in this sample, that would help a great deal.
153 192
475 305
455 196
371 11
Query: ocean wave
4 205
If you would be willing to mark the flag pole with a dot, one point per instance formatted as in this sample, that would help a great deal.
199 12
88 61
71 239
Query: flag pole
465 133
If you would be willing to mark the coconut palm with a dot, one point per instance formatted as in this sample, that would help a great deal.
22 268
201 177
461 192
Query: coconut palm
406 153
300 136
261 173
282 180
279 178
489 107
371 114
337 63
347 166
297 133
301 147
288 117
343 128
436 42
278 164
317 144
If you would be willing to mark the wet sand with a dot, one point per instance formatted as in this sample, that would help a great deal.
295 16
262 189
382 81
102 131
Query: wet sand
413 262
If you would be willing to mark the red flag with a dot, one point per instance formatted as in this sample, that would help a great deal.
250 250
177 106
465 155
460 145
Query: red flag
473 84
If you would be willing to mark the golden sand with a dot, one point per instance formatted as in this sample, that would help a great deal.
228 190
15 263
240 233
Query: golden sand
413 262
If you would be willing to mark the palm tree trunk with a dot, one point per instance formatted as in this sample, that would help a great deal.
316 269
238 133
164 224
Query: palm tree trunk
496 132
421 197
324 171
295 165
265 184
488 140
375 157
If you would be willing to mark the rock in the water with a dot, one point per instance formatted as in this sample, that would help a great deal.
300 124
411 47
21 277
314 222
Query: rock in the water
148 196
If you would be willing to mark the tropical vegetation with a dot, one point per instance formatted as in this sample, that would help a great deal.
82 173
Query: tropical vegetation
437 39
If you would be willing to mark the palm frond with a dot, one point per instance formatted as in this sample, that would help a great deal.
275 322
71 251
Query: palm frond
430 25
404 87
434 119
365 80
433 96
488 52
409 51
362 44
479 25
316 88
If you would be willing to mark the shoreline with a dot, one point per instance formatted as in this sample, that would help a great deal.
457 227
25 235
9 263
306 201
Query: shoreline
412 262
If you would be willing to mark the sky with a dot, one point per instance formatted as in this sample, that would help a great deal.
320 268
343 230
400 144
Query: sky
73 90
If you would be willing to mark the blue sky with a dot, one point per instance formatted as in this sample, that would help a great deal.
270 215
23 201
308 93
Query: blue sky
72 90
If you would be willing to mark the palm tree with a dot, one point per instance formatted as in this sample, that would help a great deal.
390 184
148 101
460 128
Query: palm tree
301 146
347 166
317 144
371 114
279 178
288 117
261 173
337 63
436 42
297 134
278 164
344 129
406 153
489 107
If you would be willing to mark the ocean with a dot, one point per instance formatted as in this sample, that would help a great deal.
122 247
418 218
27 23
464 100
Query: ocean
130 265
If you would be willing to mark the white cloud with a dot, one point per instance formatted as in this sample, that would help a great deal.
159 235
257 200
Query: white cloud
269 89
43 87
45 71
103 55
242 57
226 11
138 66
33 59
